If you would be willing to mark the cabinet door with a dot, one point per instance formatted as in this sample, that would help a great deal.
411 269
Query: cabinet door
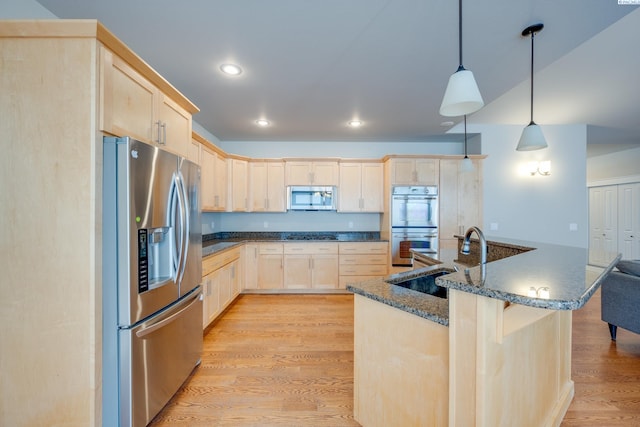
276 199
220 182
324 173
194 151
298 173
426 171
270 271
258 186
297 271
350 189
238 185
211 297
174 126
251 266
403 171
208 178
325 271
460 200
128 100
224 286
235 278
372 187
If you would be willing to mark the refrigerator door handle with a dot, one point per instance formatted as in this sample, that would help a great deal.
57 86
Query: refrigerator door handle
184 226
154 327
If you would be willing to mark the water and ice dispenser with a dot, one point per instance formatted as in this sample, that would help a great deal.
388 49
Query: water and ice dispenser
156 255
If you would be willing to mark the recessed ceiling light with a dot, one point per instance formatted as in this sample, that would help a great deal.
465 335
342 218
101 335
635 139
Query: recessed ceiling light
231 69
262 122
355 123
447 123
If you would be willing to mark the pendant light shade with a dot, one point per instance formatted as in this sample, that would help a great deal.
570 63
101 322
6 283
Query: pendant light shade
462 95
532 137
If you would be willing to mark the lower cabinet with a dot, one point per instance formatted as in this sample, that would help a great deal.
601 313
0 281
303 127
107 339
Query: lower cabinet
270 265
311 266
361 261
221 282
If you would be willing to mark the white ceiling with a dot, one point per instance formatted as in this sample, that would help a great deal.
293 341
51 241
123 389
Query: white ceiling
310 66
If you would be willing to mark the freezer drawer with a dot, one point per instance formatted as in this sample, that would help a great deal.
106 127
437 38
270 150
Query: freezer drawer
157 356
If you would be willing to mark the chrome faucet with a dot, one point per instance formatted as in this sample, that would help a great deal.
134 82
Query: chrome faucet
466 243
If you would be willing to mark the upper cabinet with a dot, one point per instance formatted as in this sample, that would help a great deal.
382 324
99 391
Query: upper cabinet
361 187
460 200
239 179
266 186
213 179
414 171
322 173
194 151
135 107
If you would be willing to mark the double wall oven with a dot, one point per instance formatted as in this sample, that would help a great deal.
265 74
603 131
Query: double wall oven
414 222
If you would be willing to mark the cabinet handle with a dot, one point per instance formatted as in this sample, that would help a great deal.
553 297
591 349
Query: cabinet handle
164 133
158 126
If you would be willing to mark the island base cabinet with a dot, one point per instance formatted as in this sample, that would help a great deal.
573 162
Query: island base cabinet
401 365
509 364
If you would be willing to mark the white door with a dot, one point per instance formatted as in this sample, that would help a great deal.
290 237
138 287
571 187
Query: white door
629 220
603 218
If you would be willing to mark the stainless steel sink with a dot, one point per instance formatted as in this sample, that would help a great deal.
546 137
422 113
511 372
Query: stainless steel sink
426 284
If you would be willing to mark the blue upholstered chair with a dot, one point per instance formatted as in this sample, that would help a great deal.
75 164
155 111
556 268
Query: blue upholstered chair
621 297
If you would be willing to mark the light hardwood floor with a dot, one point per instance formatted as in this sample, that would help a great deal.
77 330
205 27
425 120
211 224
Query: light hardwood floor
287 360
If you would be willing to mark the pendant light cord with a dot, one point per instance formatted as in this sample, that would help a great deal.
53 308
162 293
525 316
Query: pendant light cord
532 36
465 137
460 67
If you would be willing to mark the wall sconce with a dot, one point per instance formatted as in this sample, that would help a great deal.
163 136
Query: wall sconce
543 168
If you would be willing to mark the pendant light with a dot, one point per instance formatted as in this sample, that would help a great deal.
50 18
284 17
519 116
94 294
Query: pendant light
532 137
467 164
462 95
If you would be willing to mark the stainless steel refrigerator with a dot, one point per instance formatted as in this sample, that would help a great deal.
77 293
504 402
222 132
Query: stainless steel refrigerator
152 269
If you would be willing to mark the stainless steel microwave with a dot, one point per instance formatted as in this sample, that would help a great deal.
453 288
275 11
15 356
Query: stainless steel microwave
301 198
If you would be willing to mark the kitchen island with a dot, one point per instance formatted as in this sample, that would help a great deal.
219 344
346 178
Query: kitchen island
496 351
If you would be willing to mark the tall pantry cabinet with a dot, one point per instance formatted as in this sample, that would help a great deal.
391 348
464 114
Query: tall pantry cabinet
52 109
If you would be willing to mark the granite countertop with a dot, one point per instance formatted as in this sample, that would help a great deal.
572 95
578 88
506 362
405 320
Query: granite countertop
550 276
216 242
427 306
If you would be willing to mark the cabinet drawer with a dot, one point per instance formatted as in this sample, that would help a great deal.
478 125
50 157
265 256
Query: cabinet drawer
270 248
363 259
363 247
363 270
310 248
216 261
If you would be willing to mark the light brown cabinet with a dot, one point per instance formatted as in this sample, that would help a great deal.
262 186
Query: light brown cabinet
52 84
134 107
321 173
362 261
460 200
270 266
361 187
414 171
312 265
238 191
194 151
221 282
213 179
266 186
